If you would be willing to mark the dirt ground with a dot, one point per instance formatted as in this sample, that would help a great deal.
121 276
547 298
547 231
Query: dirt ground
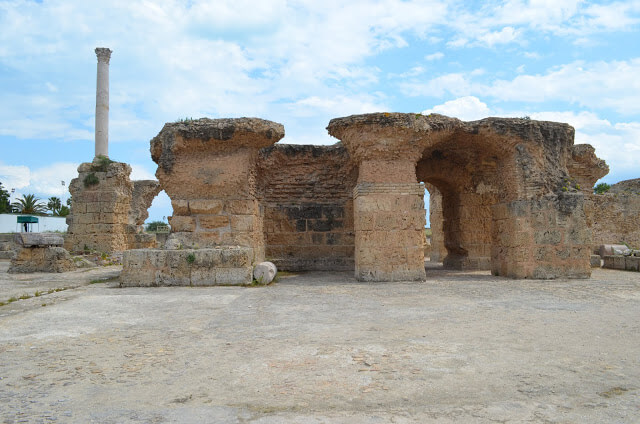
321 348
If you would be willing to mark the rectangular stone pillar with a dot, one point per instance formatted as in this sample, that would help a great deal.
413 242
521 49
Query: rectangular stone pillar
101 202
220 207
389 220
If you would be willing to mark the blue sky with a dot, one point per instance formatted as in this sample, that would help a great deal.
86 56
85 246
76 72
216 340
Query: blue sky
302 63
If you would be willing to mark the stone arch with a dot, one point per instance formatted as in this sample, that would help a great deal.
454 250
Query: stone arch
470 174
512 173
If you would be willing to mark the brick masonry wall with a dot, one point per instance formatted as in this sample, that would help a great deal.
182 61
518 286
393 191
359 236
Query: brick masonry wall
306 197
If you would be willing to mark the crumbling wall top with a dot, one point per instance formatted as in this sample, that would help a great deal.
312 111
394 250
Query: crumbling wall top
212 135
626 187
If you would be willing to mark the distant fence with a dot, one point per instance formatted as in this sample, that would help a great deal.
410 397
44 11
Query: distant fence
9 223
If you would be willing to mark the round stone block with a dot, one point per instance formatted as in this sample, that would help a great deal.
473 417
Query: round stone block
265 272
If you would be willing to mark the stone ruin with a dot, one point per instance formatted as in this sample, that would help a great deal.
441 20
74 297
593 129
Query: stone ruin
108 210
40 252
509 188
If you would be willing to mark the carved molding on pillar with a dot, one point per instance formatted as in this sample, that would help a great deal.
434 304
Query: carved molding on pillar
363 189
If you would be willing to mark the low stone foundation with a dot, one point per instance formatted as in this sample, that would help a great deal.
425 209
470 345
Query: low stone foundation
187 267
624 263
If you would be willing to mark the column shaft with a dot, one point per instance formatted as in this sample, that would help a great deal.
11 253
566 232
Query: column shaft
102 103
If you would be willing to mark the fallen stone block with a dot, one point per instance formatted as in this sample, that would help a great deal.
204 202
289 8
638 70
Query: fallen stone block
614 249
264 272
596 261
38 239
41 259
632 263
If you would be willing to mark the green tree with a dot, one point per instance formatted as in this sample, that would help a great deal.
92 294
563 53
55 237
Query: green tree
64 211
29 204
5 205
54 204
153 225
601 188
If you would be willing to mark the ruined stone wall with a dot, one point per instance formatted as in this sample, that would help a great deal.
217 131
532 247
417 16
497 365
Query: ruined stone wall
208 167
306 196
108 209
100 204
614 218
554 225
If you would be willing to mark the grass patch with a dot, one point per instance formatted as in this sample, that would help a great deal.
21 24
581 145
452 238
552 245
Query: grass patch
90 180
103 280
36 294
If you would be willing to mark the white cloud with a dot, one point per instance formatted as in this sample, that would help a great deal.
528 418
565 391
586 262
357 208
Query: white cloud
47 181
140 172
44 182
468 108
458 84
335 106
16 177
596 85
504 36
434 56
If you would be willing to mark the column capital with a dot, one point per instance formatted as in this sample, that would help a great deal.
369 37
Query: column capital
104 54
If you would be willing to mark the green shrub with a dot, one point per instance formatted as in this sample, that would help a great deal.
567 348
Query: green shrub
90 180
101 163
601 188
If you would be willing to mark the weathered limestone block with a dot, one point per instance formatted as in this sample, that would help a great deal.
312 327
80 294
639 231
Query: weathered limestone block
187 267
585 167
596 261
632 263
100 206
108 209
38 239
265 272
388 201
614 217
41 259
438 251
144 191
389 224
541 238
208 169
613 249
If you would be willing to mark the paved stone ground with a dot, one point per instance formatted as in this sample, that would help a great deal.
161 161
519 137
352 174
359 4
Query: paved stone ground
322 348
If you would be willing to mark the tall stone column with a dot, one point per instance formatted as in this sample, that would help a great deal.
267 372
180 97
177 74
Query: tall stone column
102 102
388 202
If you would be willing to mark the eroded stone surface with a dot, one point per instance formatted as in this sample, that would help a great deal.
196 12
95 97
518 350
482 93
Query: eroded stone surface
614 216
41 259
108 209
38 239
187 267
499 179
208 169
